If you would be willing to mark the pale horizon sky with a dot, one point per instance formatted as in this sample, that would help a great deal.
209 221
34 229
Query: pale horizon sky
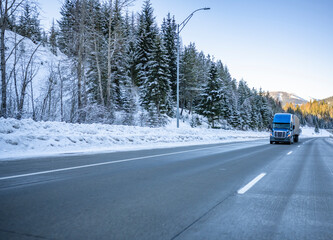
281 45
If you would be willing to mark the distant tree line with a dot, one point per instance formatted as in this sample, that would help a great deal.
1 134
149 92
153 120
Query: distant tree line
318 114
121 68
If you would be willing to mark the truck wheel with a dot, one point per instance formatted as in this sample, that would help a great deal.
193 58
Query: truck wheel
296 138
271 142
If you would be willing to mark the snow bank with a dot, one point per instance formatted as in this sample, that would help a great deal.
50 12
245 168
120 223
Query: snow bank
19 138
310 132
24 138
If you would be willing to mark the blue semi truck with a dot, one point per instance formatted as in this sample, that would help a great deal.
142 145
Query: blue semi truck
285 128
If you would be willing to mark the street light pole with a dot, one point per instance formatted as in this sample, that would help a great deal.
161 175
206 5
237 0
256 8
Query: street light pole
179 29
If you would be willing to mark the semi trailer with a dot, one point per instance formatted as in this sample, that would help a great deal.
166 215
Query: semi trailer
285 128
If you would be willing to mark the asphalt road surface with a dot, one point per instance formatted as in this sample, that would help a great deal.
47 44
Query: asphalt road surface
245 190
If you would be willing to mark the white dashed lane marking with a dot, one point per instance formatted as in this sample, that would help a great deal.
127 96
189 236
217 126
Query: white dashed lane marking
251 184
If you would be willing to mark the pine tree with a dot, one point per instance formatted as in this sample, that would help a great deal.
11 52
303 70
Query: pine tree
245 114
29 24
244 91
53 39
153 115
98 55
131 37
129 105
156 89
235 119
189 85
255 113
202 67
119 68
169 36
147 32
229 102
128 90
153 77
210 105
67 26
44 38
266 112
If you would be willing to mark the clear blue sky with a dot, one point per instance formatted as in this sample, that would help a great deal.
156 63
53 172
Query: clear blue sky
284 45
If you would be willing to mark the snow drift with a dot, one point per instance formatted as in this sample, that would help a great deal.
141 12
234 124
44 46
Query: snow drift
23 138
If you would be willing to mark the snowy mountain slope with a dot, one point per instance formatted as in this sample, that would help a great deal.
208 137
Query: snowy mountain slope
32 63
24 138
285 97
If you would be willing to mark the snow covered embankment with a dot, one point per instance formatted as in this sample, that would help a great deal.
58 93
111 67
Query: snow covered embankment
22 138
310 132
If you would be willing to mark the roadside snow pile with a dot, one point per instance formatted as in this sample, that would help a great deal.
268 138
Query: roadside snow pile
20 138
29 138
310 132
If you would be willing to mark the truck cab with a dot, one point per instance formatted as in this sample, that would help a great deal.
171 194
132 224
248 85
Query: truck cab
285 128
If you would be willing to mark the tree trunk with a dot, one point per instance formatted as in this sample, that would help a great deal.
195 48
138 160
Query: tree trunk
25 83
61 94
109 79
7 8
3 112
99 73
80 62
32 102
79 79
21 99
15 77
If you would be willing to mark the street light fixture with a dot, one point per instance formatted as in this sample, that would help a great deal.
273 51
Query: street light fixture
179 29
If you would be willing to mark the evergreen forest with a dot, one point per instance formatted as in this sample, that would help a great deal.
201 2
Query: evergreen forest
119 67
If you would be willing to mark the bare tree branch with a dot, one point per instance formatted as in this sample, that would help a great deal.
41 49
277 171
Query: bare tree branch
16 44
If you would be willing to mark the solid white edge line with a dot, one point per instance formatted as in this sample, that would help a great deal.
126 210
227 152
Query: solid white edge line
103 163
289 152
251 184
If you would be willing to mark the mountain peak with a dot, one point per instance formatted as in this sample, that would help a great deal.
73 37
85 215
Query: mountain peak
285 97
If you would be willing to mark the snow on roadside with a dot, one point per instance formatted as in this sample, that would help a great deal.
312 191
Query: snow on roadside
310 132
24 138
20 138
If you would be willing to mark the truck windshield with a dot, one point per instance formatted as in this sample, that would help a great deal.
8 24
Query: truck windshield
281 125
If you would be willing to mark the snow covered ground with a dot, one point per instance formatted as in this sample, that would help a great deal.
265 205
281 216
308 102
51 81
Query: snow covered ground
41 64
309 132
26 138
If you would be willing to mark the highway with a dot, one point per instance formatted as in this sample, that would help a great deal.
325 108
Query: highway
244 190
